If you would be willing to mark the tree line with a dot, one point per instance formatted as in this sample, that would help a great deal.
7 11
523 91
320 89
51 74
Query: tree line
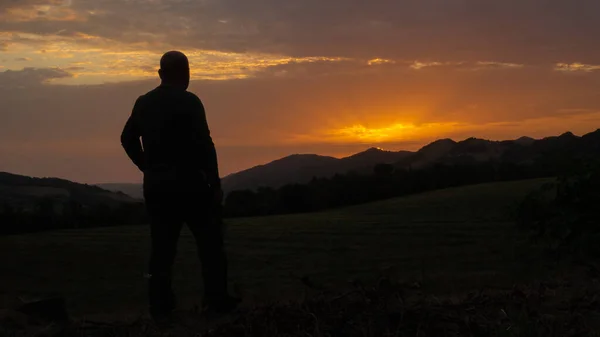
385 181
52 213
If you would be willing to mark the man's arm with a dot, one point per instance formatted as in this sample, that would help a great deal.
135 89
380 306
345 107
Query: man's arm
205 141
130 138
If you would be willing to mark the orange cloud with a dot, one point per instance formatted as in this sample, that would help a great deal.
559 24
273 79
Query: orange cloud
574 67
379 61
499 64
420 65
101 60
41 13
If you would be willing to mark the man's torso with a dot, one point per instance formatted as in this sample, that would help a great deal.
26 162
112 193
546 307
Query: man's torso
165 119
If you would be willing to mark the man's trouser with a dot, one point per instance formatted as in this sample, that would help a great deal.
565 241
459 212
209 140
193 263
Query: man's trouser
170 203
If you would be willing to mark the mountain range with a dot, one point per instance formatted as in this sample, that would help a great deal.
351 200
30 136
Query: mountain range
524 150
301 168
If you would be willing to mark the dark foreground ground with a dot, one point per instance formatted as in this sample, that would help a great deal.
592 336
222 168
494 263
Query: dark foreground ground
551 308
456 263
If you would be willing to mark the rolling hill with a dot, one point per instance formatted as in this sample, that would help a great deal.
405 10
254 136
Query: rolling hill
24 192
131 189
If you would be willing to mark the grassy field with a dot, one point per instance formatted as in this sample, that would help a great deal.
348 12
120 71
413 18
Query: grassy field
447 241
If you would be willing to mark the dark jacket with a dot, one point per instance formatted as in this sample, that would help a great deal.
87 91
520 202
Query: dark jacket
175 137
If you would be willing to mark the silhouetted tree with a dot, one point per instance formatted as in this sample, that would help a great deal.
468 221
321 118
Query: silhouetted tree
384 170
241 203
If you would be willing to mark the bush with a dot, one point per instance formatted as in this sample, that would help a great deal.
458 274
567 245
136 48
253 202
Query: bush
565 214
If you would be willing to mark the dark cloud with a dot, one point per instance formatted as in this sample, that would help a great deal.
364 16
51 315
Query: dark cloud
74 69
506 31
512 31
29 77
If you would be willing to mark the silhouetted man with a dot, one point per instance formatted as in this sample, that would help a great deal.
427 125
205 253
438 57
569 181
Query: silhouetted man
181 183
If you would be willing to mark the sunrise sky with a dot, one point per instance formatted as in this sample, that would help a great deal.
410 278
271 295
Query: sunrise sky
279 77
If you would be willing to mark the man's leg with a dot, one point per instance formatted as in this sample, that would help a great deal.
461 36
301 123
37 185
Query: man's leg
208 233
166 224
165 235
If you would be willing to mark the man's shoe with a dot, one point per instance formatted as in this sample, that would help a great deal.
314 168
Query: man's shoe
224 305
162 319
163 315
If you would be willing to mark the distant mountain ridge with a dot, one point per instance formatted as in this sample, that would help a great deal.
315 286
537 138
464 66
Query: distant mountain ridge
25 191
302 168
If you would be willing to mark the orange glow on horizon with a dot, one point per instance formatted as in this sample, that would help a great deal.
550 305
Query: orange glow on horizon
391 133
358 133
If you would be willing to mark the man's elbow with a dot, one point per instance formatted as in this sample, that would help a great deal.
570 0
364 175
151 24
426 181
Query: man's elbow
125 140
209 141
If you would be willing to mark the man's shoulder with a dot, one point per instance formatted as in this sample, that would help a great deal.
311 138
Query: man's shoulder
192 96
193 99
156 94
150 93
141 98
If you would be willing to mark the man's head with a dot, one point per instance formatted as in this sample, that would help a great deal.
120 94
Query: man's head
175 69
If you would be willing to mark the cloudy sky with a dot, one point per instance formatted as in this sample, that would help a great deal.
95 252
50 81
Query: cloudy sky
277 77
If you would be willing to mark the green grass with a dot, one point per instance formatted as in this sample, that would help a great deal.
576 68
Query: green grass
449 241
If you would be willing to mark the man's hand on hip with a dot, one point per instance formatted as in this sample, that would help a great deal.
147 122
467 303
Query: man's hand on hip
218 196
